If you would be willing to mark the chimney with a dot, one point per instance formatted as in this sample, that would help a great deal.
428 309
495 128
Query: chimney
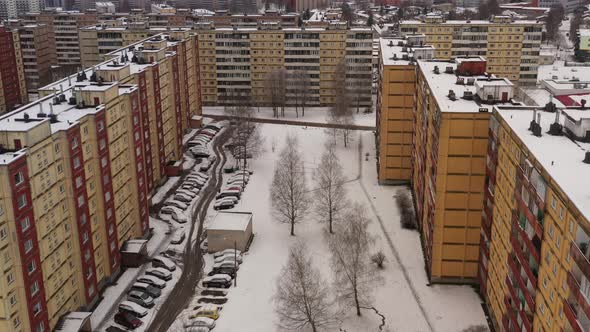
533 123
537 130
41 114
587 158
556 129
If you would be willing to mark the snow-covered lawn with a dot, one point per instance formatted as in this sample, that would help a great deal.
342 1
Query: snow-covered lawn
250 306
312 114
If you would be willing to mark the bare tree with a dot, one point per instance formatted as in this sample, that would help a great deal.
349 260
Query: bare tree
276 84
300 82
330 196
302 300
289 194
354 276
340 112
552 22
247 140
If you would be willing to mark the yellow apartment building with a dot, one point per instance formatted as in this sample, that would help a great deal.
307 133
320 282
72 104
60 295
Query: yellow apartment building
511 47
79 166
13 89
395 106
534 265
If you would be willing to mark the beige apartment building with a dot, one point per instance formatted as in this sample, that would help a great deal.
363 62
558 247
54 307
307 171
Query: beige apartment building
80 165
511 47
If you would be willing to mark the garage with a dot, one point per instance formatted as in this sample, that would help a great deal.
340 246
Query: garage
230 230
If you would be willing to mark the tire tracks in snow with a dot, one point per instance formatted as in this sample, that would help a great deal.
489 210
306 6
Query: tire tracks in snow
388 238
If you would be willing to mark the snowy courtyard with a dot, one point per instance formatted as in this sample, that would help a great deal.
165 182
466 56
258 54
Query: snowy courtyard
403 296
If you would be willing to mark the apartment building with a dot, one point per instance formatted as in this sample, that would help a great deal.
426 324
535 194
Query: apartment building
510 47
65 26
534 264
395 105
38 52
12 9
80 165
13 90
237 63
98 41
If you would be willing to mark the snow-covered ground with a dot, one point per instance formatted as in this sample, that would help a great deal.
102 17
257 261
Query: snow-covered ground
412 306
312 114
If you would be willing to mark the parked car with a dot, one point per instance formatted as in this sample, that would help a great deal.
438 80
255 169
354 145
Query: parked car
205 166
175 203
207 133
196 329
201 174
159 273
178 237
169 210
232 199
200 321
183 198
247 171
226 263
232 187
200 153
226 252
228 193
223 205
190 193
236 182
208 311
212 299
214 125
133 308
214 292
163 262
196 179
147 288
141 298
217 281
241 177
230 271
229 257
154 281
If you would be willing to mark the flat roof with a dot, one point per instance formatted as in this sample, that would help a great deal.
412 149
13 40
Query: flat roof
470 22
390 47
232 221
440 84
560 156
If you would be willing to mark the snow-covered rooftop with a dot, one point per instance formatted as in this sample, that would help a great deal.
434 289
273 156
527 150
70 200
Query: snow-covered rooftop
560 156
395 51
74 321
233 221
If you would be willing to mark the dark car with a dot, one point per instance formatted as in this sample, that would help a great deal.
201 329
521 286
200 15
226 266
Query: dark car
217 281
212 299
147 288
224 270
127 320
214 292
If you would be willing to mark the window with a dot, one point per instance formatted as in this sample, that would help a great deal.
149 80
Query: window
107 196
57 148
22 201
60 168
544 282
3 233
102 143
19 178
77 162
34 288
31 267
78 182
25 224
84 238
542 308
571 227
9 278
13 301
41 327
80 200
74 143
1 210
37 308
550 231
558 241
561 212
100 126
16 322
28 245
553 203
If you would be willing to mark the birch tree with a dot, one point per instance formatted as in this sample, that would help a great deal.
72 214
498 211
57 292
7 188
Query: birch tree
354 276
247 140
302 300
330 195
289 195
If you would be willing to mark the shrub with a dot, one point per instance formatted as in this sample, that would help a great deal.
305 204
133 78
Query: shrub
404 204
378 258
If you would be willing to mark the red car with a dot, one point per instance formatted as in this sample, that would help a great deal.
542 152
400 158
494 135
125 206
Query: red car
128 320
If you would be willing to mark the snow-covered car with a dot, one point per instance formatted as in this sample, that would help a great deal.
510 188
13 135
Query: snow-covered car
226 252
241 176
229 257
200 154
175 203
232 199
212 299
192 143
236 180
133 308
169 210
196 329
189 193
207 132
146 288
141 298
196 178
201 174
159 273
154 281
229 270
247 171
178 236
217 281
223 205
163 262
214 125
207 310
229 193
214 292
182 198
226 264
200 321
205 165
233 187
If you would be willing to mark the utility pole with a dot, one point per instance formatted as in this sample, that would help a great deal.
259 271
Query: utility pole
235 264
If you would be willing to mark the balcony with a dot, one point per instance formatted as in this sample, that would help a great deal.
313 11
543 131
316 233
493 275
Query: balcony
580 259
536 223
570 315
528 297
576 294
525 318
526 238
530 271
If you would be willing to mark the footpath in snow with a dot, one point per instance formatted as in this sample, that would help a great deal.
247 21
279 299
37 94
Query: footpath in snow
405 299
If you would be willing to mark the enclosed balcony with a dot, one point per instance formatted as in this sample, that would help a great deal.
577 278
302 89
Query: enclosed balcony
521 281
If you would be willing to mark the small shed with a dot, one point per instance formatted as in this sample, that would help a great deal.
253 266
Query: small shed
229 230
134 253
77 321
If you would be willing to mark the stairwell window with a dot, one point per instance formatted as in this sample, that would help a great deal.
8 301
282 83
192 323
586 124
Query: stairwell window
21 201
28 245
19 178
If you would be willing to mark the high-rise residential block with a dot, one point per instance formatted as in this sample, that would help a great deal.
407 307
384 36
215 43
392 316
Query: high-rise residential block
80 165
534 266
13 90
511 47
38 51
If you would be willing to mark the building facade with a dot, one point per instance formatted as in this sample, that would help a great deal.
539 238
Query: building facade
511 47
82 163
13 90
